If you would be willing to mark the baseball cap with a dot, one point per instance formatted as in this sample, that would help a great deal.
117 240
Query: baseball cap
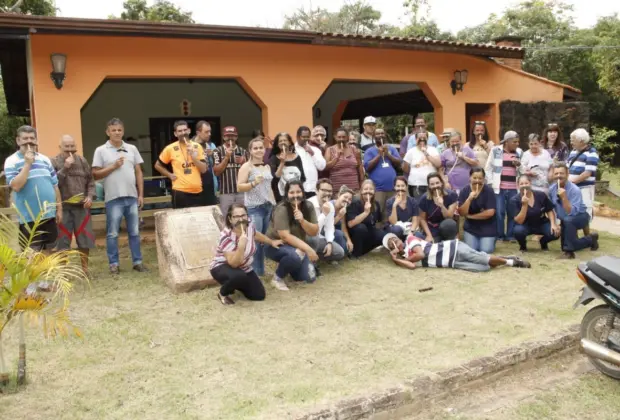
230 130
510 135
386 240
370 120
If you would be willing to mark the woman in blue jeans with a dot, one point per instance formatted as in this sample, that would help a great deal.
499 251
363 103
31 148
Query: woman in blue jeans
477 205
293 221
341 235
254 181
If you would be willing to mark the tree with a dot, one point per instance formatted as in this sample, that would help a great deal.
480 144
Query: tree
607 57
160 11
30 7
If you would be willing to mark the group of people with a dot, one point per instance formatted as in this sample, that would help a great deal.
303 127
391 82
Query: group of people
298 201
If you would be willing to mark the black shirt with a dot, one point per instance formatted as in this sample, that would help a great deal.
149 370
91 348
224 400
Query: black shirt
357 207
537 213
486 200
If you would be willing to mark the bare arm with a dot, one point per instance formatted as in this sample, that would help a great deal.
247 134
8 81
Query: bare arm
464 209
242 179
310 228
20 180
373 163
139 181
100 173
263 239
357 220
434 160
393 219
330 163
221 167
235 258
584 175
520 218
162 170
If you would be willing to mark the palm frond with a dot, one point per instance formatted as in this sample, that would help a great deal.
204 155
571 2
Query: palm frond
76 199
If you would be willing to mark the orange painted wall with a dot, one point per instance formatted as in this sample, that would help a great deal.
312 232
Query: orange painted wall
286 79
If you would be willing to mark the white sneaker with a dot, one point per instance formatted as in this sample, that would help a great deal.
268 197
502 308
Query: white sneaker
279 284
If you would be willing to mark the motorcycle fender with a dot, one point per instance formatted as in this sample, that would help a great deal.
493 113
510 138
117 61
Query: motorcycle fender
587 296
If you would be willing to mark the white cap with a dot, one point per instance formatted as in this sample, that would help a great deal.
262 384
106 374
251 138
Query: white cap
386 240
370 120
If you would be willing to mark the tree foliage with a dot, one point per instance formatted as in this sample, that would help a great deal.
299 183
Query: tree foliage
160 11
29 7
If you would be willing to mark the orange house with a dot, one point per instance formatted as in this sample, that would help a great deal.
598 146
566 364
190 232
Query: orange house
149 74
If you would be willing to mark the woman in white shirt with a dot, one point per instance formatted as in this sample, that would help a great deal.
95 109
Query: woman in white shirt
535 163
418 163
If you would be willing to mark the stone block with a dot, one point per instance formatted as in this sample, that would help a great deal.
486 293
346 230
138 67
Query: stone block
186 242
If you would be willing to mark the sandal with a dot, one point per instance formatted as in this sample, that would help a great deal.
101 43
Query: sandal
225 300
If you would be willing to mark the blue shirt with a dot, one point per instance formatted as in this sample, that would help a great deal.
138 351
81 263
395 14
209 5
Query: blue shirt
38 194
578 163
486 200
537 213
383 174
573 193
402 215
432 141
434 215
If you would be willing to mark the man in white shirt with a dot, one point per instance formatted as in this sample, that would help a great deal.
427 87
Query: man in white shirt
311 159
420 127
418 163
367 139
323 244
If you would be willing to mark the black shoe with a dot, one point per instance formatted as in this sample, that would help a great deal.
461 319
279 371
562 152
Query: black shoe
523 249
317 271
114 270
544 247
567 256
140 268
594 237
225 300
519 263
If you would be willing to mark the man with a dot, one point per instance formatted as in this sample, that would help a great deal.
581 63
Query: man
188 163
311 159
319 138
381 162
367 139
228 159
501 171
445 140
420 127
75 178
582 164
209 180
324 243
33 178
415 253
571 210
118 164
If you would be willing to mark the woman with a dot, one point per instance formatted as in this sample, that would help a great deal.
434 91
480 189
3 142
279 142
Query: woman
437 207
345 198
344 162
361 218
266 141
534 215
553 142
477 204
456 162
535 163
293 221
420 161
232 265
285 164
354 139
402 210
479 142
254 181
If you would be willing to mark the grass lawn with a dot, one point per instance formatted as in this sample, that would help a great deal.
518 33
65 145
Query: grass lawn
609 199
363 326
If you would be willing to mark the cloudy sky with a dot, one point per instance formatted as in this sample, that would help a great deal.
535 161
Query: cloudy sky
449 14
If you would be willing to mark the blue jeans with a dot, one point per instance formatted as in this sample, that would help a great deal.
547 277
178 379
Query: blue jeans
571 242
115 210
502 201
289 262
484 244
523 231
260 216
341 240
396 230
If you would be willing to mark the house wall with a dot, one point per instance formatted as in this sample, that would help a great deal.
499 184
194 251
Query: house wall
284 79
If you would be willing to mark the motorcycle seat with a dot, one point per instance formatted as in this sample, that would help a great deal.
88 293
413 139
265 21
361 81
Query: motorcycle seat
608 269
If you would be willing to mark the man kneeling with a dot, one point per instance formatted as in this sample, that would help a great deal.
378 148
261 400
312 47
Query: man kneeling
415 252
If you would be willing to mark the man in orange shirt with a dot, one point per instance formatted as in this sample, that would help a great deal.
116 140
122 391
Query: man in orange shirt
188 162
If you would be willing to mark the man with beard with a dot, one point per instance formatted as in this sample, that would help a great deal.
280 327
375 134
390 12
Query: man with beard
417 253
311 159
367 139
381 162
228 158
324 243
209 180
409 142
188 163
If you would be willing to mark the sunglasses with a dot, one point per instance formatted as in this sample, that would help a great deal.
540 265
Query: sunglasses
552 125
480 123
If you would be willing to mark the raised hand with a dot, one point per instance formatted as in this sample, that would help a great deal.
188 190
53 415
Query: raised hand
29 156
69 161
299 216
326 208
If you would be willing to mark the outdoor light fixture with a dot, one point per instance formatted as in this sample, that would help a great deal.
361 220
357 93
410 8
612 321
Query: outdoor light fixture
460 78
59 65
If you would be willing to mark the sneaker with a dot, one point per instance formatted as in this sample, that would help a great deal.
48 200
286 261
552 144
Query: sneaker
279 284
140 268
114 270
594 237
567 256
313 273
225 300
519 263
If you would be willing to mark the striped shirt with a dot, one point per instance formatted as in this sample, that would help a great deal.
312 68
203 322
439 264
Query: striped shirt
228 243
38 194
579 163
509 172
228 178
345 171
436 255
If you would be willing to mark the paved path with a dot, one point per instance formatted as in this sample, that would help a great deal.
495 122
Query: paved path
606 224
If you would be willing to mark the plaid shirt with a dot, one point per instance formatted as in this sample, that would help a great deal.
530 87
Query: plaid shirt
78 179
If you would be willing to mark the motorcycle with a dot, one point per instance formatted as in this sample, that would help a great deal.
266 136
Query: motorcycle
600 326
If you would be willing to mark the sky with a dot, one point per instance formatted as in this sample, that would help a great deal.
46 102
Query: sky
271 13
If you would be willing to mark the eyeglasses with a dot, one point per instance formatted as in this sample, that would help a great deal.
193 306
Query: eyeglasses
480 122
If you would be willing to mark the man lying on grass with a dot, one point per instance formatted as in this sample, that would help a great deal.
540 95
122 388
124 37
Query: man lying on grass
415 252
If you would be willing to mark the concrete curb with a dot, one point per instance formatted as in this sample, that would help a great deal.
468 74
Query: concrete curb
414 393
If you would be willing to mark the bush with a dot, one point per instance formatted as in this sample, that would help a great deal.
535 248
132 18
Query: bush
606 149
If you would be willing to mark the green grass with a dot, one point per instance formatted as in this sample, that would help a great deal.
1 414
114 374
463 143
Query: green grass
363 326
613 178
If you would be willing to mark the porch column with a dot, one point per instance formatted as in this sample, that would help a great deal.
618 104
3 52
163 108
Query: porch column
451 114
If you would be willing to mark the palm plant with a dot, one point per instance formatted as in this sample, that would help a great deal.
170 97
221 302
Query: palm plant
21 271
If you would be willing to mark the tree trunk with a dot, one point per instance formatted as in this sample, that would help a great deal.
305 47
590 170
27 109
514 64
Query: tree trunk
4 374
21 364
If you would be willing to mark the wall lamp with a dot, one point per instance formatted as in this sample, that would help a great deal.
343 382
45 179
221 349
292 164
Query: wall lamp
59 65
460 78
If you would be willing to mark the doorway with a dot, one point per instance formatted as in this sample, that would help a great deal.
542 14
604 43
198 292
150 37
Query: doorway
480 112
